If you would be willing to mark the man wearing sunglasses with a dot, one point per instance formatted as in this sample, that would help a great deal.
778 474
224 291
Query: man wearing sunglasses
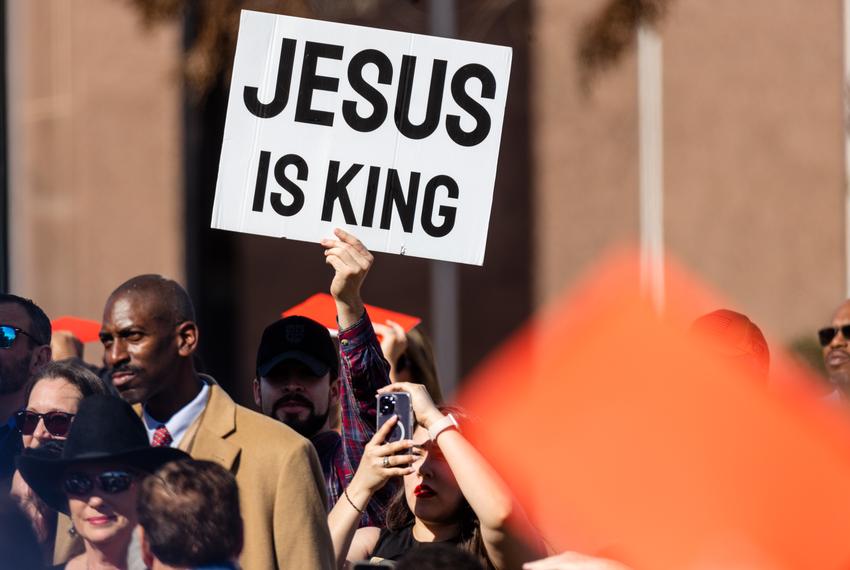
836 350
149 337
24 349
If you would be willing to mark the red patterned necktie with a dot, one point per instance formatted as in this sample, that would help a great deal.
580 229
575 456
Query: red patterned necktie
161 437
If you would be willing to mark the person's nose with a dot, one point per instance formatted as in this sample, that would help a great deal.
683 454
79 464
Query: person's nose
116 353
95 498
292 384
423 465
838 340
40 434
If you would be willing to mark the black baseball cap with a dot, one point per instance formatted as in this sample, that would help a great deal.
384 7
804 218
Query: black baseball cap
297 338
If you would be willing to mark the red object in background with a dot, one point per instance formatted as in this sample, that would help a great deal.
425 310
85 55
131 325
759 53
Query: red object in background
84 329
623 437
321 308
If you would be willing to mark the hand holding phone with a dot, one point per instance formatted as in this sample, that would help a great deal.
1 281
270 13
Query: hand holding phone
396 404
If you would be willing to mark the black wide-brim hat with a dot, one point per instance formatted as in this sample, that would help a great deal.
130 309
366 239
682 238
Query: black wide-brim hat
105 430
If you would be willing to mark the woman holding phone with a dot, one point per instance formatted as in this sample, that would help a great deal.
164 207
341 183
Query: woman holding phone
450 495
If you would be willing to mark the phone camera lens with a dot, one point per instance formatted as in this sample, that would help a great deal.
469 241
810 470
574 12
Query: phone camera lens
388 405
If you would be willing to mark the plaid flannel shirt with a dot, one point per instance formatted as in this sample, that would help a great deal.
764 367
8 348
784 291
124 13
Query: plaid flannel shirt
363 370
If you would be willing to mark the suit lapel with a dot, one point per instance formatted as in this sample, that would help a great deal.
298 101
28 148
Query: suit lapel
217 422
216 425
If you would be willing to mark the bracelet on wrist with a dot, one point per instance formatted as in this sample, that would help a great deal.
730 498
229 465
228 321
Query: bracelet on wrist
438 427
350 502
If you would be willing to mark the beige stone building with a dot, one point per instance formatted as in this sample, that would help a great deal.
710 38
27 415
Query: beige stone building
112 172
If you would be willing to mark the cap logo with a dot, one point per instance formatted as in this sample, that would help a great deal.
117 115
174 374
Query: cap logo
294 334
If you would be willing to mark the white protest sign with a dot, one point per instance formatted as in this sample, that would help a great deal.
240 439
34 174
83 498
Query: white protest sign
392 136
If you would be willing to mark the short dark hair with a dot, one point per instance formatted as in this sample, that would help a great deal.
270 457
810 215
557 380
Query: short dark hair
190 512
39 322
77 374
175 305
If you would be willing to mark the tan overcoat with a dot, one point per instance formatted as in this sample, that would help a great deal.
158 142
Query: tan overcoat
281 488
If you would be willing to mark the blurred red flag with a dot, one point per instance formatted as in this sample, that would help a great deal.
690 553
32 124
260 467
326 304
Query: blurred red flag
321 308
84 329
623 437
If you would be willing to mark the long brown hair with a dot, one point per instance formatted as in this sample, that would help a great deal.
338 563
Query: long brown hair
400 516
420 359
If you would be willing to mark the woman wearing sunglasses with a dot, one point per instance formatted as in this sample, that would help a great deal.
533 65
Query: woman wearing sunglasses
52 400
97 477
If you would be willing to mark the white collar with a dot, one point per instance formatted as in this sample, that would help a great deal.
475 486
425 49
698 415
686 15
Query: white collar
179 423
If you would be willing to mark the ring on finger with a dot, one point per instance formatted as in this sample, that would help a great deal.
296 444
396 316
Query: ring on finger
386 462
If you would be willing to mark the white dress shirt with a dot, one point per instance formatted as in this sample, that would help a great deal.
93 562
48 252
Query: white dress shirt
179 423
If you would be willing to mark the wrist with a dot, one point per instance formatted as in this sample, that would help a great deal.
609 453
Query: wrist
448 422
348 299
431 418
357 492
349 312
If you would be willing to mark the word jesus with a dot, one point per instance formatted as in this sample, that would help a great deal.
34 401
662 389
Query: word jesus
310 82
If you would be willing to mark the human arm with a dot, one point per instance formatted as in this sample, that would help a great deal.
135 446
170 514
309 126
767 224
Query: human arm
351 262
363 545
483 489
64 344
393 344
371 475
363 369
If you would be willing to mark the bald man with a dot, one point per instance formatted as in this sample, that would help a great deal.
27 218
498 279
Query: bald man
836 352
149 338
735 338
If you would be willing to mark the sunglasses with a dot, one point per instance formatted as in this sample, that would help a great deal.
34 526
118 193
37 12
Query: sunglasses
8 334
57 423
826 334
111 482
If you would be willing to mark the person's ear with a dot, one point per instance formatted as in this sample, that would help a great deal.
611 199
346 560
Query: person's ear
187 338
333 397
147 555
41 355
258 396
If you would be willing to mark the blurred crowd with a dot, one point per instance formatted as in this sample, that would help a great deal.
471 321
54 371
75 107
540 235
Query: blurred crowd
146 462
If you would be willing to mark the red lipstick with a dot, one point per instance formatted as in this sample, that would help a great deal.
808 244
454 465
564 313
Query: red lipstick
423 491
